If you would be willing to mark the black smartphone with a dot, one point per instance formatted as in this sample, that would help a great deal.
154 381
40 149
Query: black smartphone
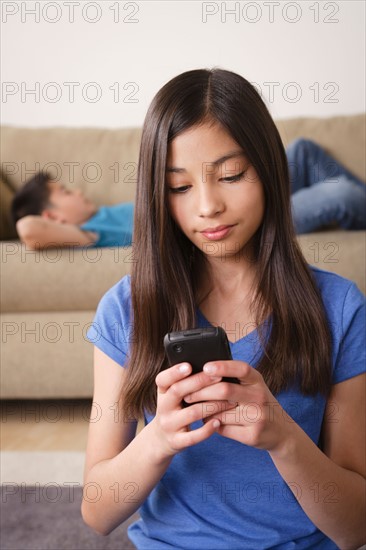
198 346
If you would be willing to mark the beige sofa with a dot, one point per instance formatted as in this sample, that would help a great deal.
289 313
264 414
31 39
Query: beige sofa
49 297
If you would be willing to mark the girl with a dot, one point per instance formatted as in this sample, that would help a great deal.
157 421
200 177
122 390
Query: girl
275 461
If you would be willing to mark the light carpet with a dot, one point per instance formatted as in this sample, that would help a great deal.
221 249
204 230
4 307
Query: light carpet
41 494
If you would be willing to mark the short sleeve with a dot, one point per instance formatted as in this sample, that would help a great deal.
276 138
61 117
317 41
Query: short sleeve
111 328
351 357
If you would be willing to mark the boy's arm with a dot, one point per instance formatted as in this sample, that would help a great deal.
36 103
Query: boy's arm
37 232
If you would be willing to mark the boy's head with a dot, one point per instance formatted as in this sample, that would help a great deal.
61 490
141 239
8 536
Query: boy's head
40 196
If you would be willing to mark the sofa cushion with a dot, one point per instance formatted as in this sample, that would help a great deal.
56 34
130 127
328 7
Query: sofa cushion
58 279
76 279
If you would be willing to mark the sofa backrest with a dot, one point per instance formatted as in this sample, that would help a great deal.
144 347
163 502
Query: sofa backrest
342 136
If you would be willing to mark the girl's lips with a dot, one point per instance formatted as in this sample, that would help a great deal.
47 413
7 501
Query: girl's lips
217 234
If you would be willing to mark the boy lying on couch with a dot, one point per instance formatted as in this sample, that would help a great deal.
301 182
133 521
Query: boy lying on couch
323 193
46 214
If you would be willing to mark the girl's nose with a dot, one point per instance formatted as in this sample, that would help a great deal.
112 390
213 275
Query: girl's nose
210 202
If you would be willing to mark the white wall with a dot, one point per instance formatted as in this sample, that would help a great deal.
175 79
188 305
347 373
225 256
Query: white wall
311 53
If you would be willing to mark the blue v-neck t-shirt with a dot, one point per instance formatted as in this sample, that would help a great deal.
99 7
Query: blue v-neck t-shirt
222 494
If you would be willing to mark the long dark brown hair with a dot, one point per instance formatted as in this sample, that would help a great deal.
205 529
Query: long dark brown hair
164 275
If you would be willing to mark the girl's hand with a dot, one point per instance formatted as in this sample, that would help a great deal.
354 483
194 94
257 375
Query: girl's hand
258 419
172 420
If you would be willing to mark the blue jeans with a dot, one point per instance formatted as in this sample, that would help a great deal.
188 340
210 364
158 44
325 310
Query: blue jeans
323 191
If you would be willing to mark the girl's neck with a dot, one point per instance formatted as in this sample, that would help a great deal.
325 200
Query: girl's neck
226 281
226 299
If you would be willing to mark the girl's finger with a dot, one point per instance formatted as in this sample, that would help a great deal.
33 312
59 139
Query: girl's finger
200 411
176 385
181 419
233 369
171 375
186 439
222 391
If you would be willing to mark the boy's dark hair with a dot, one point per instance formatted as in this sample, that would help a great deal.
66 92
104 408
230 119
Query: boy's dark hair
32 198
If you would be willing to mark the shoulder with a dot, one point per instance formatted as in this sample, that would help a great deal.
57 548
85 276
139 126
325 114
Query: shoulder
340 296
118 296
345 307
125 207
114 308
91 219
111 329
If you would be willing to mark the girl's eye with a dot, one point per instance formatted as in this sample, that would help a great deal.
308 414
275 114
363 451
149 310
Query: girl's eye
182 189
229 179
232 179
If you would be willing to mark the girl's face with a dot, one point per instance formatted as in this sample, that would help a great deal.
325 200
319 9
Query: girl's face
215 195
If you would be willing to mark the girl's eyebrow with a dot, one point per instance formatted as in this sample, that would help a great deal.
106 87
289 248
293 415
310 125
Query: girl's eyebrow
217 162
